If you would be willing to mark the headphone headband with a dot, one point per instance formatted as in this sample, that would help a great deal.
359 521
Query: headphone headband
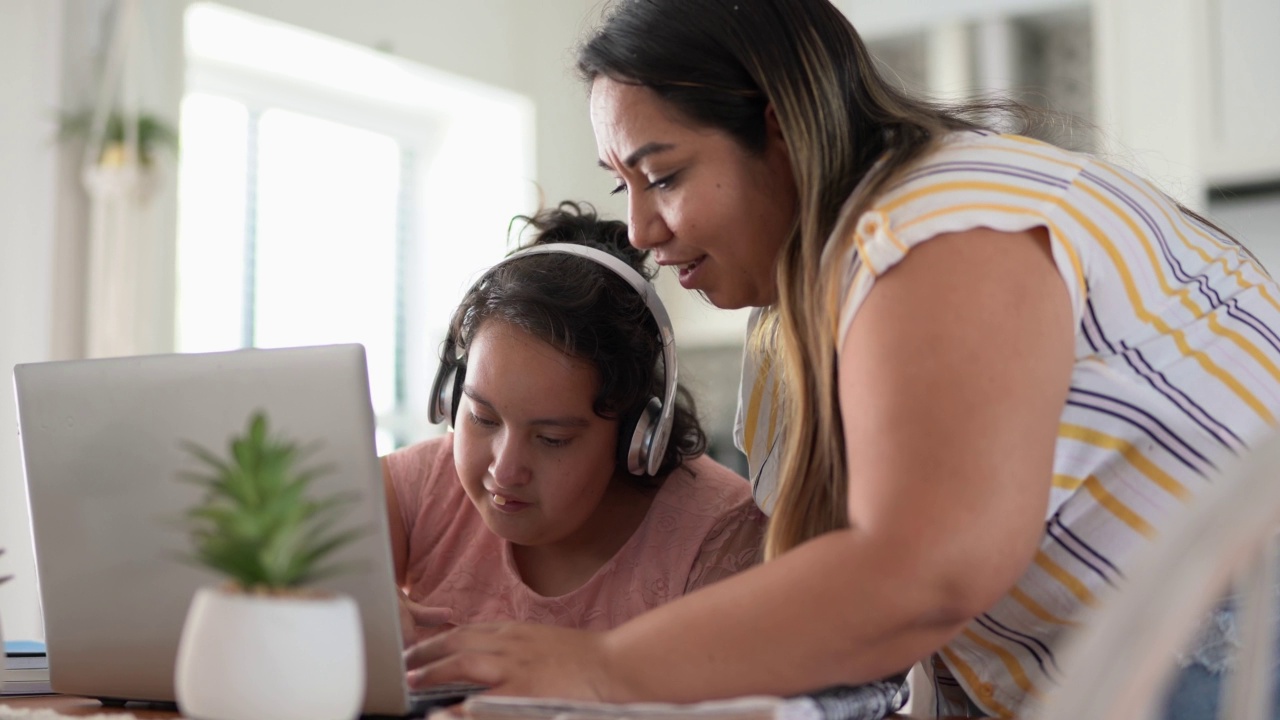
643 457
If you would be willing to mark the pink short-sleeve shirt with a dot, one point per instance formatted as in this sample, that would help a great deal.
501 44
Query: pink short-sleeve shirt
703 526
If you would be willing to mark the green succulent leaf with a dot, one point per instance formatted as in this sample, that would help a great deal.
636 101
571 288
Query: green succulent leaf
256 523
153 134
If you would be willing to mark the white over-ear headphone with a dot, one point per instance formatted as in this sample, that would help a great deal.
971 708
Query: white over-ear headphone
647 432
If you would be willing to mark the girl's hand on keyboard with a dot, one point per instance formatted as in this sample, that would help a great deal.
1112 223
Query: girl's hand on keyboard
419 622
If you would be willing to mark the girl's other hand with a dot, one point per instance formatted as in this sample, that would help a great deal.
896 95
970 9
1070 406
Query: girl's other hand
419 622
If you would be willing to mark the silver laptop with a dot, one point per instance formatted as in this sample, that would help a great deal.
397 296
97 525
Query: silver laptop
101 449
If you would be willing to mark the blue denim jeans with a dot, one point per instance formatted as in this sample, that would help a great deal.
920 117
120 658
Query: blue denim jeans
1196 692
1196 695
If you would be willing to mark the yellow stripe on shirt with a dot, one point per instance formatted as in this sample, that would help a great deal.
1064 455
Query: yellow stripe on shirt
1130 453
1182 222
1055 233
1065 578
1010 663
1066 482
1123 512
1030 605
1178 336
979 688
753 405
1135 297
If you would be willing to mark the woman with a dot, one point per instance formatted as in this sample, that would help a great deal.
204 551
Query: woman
531 509
1000 366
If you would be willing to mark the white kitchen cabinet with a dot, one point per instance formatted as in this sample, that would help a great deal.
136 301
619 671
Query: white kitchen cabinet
1241 131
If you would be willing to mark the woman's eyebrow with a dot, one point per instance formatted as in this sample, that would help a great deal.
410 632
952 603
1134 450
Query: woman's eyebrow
641 153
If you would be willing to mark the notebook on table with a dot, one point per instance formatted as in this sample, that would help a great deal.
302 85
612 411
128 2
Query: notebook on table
102 451
26 669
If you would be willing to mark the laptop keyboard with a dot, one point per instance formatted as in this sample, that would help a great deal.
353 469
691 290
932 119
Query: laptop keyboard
443 694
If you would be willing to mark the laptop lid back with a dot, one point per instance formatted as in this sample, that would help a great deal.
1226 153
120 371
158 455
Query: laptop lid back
101 445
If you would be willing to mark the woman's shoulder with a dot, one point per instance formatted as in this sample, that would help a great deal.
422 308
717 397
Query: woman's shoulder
968 179
972 162
1013 150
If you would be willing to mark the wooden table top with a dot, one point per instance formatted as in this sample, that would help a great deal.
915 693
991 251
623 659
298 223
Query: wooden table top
83 707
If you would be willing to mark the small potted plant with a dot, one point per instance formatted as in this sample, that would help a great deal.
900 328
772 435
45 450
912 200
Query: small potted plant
267 645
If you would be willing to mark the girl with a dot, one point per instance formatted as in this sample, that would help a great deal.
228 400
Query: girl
530 509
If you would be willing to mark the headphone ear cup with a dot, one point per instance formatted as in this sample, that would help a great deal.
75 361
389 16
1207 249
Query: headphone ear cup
636 435
455 392
446 393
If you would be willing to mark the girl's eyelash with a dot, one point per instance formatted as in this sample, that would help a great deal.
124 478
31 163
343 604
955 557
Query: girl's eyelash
619 188
548 441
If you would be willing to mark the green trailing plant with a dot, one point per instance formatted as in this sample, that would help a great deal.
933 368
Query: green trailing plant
256 524
154 135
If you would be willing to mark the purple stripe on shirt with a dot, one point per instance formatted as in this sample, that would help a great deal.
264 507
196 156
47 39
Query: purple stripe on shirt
1134 416
957 166
1200 280
1057 520
981 620
1048 531
1092 315
1180 399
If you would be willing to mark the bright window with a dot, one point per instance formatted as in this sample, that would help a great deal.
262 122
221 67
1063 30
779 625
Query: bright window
328 194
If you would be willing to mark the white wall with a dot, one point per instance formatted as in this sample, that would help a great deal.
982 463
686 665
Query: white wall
30 40
878 18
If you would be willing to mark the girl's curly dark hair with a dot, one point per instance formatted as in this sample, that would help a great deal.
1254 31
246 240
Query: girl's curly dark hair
587 311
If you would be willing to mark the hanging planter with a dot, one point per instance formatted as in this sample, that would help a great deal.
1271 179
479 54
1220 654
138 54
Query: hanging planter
133 183
125 166
151 134
126 253
122 173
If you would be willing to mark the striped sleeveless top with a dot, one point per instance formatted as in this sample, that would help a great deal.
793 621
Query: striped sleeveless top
1177 369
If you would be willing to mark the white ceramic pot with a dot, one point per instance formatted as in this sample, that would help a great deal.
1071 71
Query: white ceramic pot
251 657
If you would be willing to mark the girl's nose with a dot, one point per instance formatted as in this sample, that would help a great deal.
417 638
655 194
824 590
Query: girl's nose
509 468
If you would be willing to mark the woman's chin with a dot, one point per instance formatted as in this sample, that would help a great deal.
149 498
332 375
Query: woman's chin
727 301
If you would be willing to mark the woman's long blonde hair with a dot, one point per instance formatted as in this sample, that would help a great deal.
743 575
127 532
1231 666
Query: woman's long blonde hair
722 63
